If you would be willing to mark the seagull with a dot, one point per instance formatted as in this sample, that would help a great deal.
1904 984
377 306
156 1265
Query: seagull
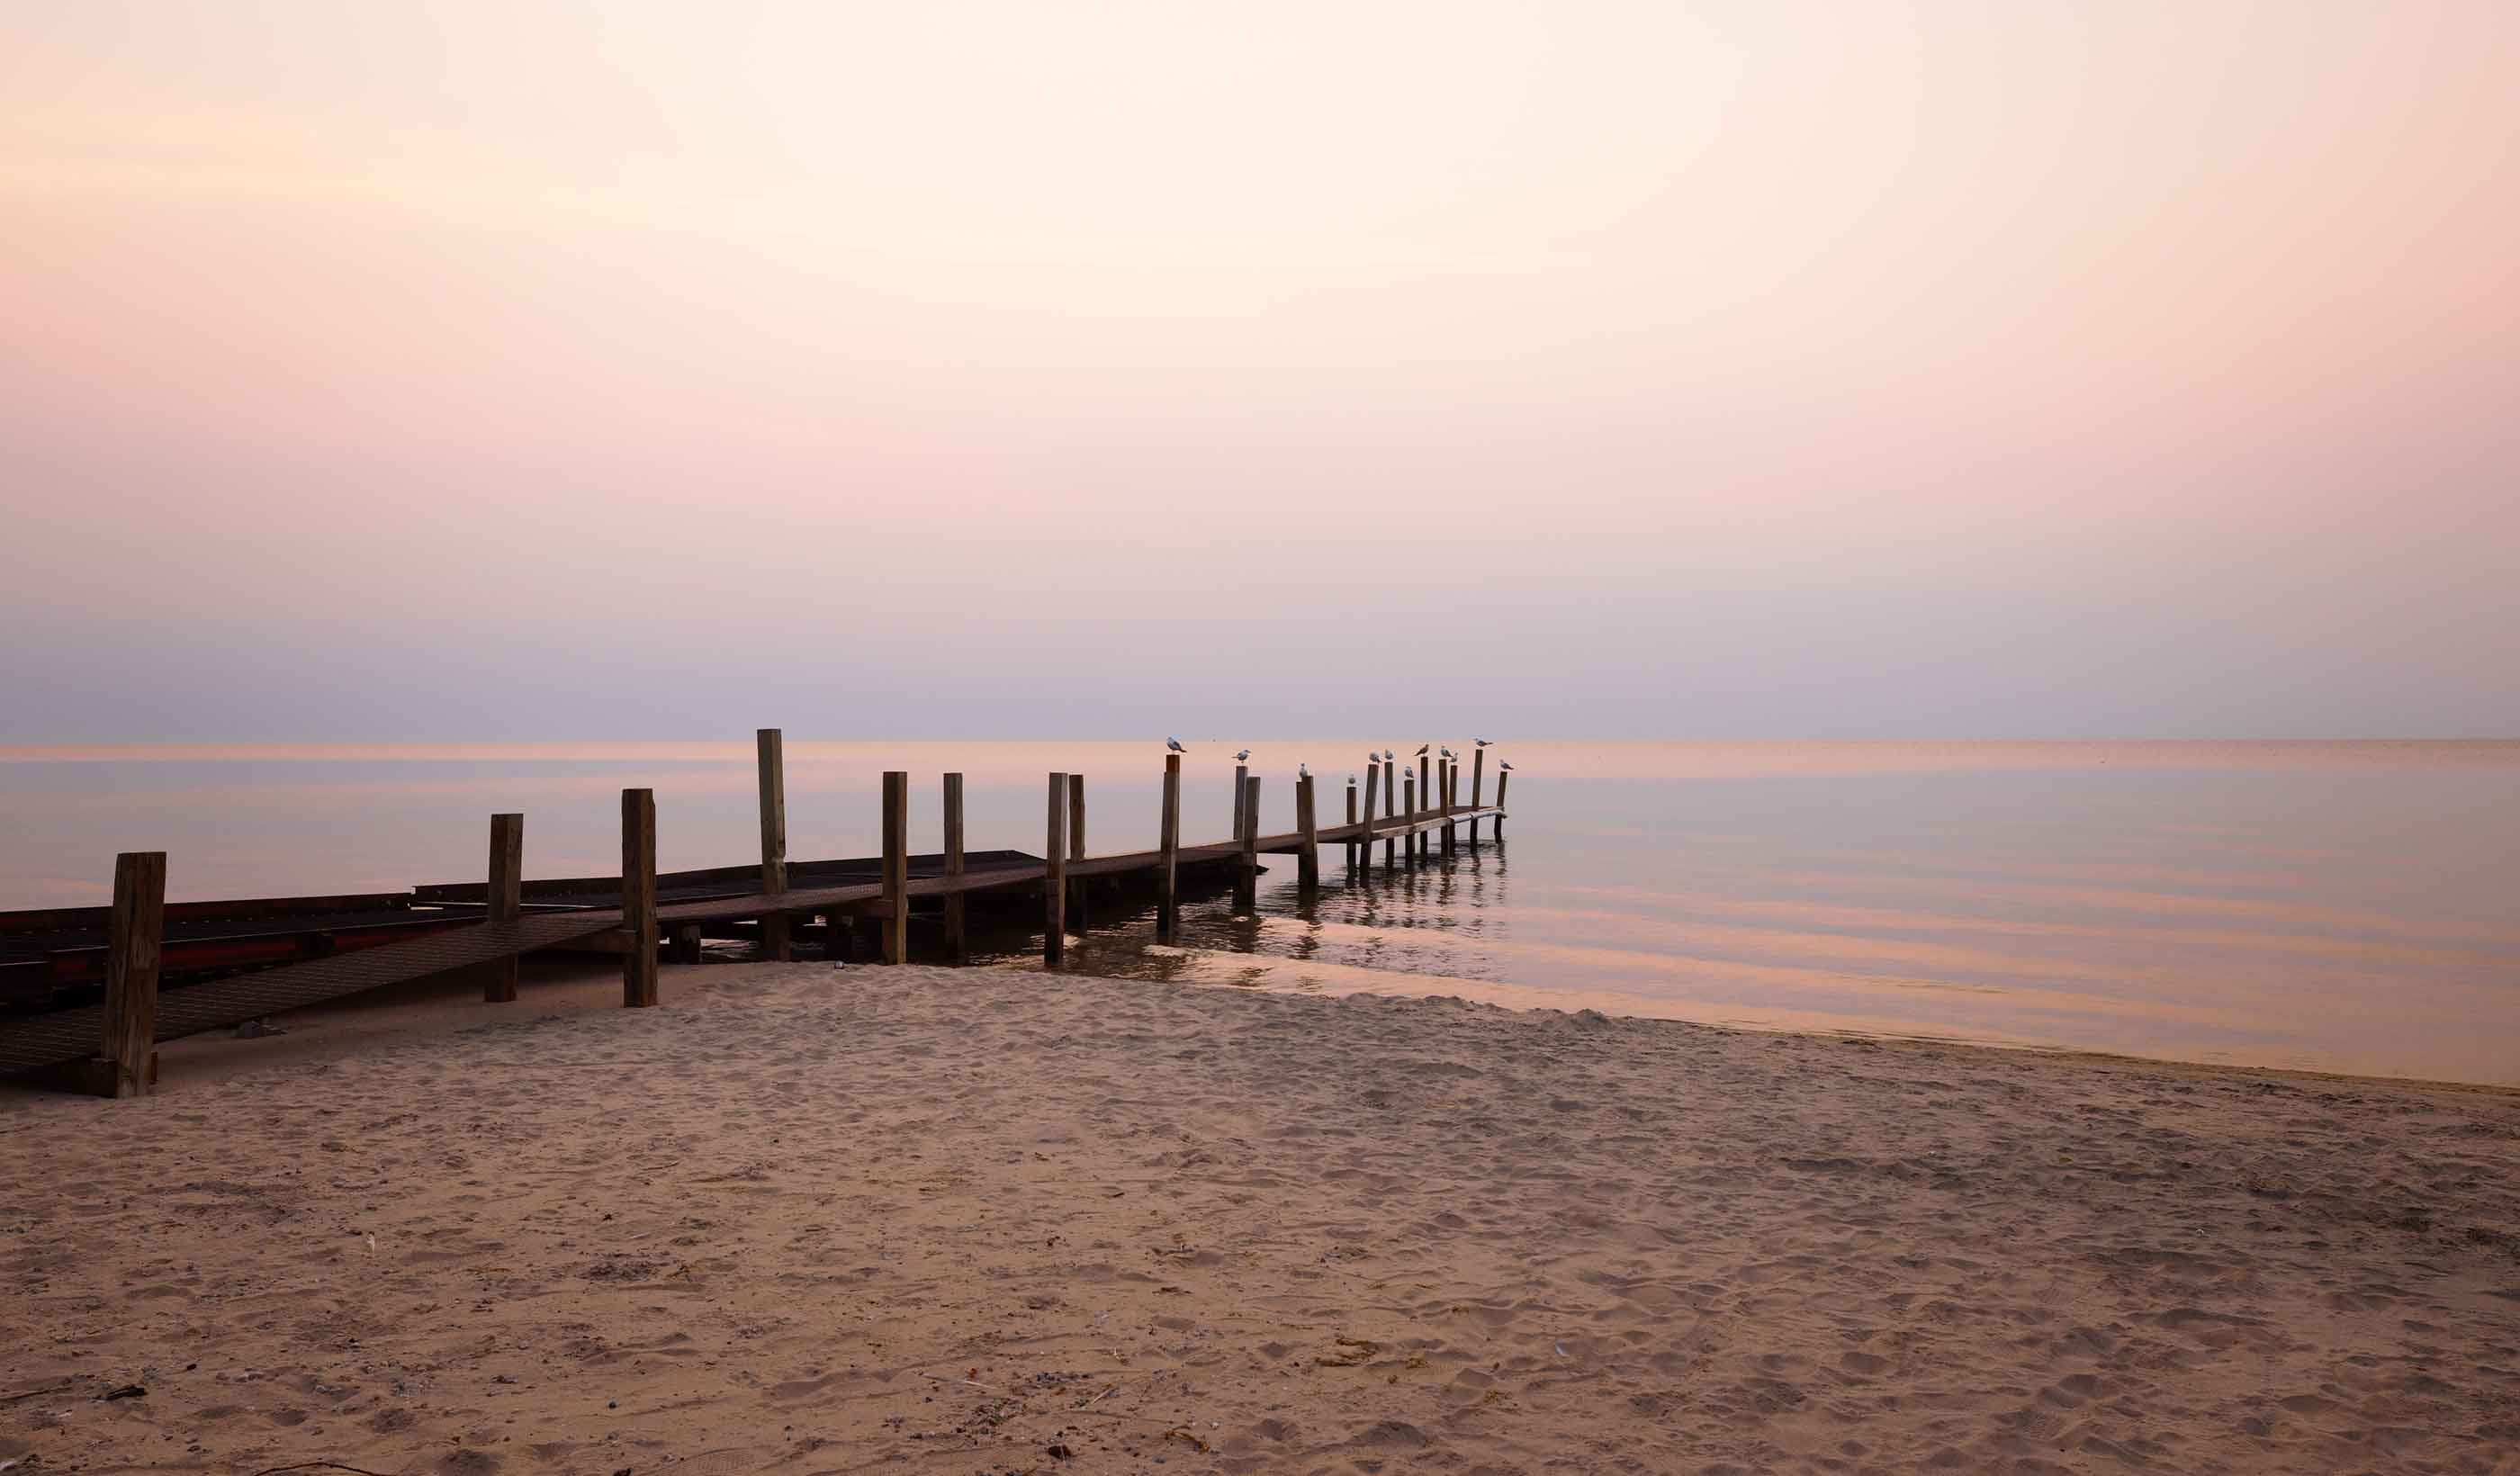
1386 755
1351 781
1503 767
1371 758
1303 772
1482 743
1422 750
1173 744
1447 753
1243 754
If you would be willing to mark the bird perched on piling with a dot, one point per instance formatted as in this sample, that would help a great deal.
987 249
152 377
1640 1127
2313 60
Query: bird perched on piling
1503 768
1240 756
1446 752
1482 743
1173 745
1386 755
1422 750
1303 772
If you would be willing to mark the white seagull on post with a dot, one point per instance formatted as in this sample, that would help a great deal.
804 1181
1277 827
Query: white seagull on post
1446 752
1503 768
1173 745
1303 772
1243 755
1482 743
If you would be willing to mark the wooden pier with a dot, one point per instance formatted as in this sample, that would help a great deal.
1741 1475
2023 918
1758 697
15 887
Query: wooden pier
106 1047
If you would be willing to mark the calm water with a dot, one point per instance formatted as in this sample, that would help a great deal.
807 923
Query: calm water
2333 905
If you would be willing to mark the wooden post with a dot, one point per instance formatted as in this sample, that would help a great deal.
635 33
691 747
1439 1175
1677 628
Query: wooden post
129 1043
1364 841
1478 787
1390 807
1502 777
1053 889
773 789
896 865
1452 787
1168 846
1351 819
1308 861
1249 899
682 944
1409 842
1242 776
955 910
1426 796
639 897
1076 850
506 898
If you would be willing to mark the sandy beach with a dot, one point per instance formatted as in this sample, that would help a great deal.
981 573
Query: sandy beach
988 1220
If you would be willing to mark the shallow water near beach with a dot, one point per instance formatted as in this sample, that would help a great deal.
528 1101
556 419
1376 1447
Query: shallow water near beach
2343 907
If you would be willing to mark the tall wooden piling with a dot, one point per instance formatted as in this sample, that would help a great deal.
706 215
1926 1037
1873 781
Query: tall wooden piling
896 867
1248 889
1308 861
771 749
505 901
1054 891
1390 807
1350 850
1409 842
128 1044
1168 854
639 897
1426 796
1502 777
1452 793
1076 849
1478 789
1241 777
957 943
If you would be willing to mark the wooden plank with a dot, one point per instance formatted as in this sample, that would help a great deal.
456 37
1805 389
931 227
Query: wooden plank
134 933
956 943
506 902
639 897
1168 854
1054 891
896 865
1308 861
772 751
1247 889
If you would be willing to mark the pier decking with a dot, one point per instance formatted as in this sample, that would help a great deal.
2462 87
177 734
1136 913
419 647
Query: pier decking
558 913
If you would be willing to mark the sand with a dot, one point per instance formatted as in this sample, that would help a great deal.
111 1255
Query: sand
960 1221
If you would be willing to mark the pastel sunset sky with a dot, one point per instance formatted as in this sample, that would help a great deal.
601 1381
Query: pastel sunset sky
1716 369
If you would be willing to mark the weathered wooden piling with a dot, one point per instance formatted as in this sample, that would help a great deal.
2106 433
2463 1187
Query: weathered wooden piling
896 865
682 944
1168 854
1076 849
1247 889
1502 777
505 899
129 1045
1054 891
1452 793
1241 777
956 941
1478 787
1390 808
771 748
1348 851
1409 842
1365 840
639 897
1308 861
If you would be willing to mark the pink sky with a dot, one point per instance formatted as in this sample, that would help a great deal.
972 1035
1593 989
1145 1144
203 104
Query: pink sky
659 370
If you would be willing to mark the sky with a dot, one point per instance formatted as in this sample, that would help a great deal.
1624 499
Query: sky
1655 370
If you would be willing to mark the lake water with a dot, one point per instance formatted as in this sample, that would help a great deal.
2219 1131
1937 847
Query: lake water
2349 907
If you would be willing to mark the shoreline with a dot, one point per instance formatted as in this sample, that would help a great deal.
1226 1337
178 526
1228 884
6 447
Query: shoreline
964 1217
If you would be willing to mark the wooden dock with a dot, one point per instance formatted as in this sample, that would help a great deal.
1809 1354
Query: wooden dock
104 1046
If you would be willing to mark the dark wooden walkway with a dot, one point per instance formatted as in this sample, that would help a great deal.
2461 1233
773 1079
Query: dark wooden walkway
61 1037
